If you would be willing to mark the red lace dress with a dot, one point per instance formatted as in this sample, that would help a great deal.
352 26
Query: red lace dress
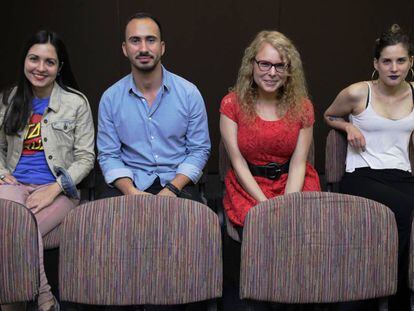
261 142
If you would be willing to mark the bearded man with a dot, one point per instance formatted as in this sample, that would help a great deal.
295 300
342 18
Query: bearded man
152 127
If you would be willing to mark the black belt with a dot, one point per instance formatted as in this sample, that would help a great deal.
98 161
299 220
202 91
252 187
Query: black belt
271 170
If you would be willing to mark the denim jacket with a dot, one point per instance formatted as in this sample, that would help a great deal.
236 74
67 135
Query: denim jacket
67 133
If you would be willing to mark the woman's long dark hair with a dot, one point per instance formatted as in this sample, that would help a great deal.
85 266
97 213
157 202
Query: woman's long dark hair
20 105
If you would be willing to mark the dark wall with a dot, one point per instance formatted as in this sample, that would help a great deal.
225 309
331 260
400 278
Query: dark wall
205 42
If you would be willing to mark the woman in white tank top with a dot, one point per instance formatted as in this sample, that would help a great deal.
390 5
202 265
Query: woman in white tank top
378 118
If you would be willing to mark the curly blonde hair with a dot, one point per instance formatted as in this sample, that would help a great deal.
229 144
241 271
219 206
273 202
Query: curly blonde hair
291 95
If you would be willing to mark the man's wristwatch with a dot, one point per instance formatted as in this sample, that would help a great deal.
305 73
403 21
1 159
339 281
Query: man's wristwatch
173 189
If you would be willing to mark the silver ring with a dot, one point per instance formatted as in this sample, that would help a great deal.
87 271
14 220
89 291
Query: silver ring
2 177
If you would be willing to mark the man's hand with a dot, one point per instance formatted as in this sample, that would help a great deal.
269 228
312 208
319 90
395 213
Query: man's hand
126 186
43 197
135 191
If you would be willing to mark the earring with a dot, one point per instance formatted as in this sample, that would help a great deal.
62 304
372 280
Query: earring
373 74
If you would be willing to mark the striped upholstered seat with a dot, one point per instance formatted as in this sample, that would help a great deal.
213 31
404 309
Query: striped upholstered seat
225 164
19 253
335 156
318 247
135 250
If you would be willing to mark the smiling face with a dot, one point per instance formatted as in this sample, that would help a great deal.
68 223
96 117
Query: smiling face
268 82
41 67
393 64
143 45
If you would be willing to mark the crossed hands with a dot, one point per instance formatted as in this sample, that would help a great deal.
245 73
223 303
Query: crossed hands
43 197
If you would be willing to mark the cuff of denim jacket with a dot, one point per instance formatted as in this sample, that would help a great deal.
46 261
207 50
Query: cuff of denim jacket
117 173
65 182
64 191
191 171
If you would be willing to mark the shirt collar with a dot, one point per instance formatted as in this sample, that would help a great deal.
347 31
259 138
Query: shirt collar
54 102
165 84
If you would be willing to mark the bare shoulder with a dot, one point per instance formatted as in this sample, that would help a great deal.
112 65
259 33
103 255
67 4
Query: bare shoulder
355 92
350 100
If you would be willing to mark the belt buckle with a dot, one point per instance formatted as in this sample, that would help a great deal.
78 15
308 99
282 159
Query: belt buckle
273 170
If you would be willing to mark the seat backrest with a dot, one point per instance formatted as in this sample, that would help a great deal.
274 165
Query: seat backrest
311 153
19 253
314 247
335 156
134 250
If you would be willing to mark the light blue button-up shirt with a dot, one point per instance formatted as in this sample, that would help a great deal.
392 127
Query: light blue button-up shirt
142 142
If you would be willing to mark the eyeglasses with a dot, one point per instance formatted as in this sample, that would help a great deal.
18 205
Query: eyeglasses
266 66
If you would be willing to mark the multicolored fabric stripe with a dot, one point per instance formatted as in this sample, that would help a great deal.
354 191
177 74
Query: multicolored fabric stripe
319 247
19 253
335 156
144 249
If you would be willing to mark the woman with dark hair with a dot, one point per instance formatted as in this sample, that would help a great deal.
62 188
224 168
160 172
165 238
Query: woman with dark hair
266 124
46 140
378 119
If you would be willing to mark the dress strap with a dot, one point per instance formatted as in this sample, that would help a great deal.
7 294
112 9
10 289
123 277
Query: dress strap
369 95
412 90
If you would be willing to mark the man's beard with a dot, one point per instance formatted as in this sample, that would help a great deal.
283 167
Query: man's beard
150 68
146 69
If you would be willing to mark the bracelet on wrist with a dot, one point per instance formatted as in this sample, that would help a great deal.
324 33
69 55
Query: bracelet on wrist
173 189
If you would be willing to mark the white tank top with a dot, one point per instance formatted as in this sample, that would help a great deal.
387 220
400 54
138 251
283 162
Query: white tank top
386 140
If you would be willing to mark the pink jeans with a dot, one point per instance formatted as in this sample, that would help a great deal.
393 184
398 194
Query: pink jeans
47 219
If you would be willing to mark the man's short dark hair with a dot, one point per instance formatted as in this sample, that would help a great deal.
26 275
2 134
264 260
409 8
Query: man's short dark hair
142 15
